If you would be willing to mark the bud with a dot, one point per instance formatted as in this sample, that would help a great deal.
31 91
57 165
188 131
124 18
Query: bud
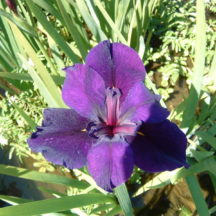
12 5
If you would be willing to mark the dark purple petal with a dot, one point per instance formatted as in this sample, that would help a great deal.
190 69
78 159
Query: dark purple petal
110 163
61 139
63 120
161 148
119 65
141 104
83 90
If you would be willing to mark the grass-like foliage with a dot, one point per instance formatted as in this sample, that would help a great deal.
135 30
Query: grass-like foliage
176 41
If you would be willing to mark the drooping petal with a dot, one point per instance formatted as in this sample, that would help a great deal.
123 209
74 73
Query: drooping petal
61 139
161 148
83 89
110 163
119 65
63 119
142 105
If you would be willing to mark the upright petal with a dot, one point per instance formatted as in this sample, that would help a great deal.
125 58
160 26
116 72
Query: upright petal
83 89
161 147
119 65
99 58
110 163
61 139
142 105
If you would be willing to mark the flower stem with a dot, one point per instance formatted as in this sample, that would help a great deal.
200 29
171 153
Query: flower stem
122 195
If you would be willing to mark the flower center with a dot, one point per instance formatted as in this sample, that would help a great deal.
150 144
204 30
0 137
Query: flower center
112 106
110 124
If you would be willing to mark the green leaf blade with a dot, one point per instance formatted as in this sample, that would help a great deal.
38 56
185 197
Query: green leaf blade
42 177
55 205
197 195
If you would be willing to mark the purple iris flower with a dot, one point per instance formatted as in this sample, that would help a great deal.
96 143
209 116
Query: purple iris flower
115 121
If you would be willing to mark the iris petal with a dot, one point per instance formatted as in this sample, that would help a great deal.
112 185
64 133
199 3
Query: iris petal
60 138
110 163
83 90
119 65
63 119
161 147
142 105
